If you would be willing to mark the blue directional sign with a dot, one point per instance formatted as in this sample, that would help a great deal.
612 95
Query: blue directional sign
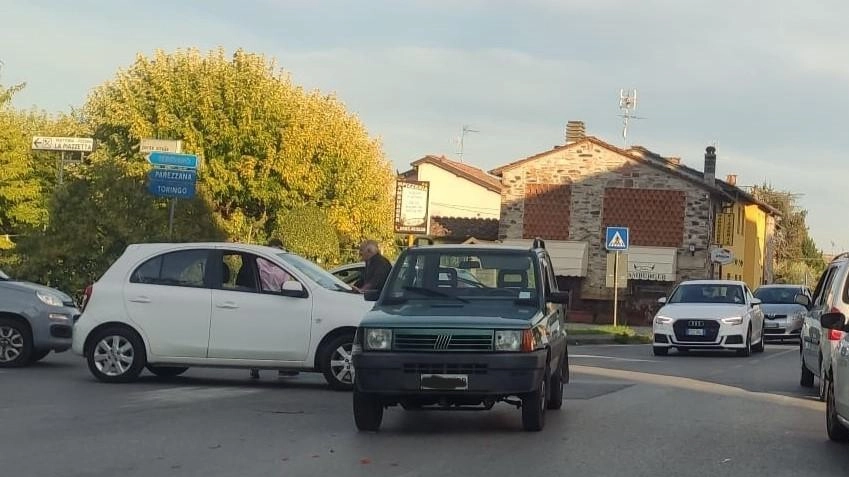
617 239
172 183
173 160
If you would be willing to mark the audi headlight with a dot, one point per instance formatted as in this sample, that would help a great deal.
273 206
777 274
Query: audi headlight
736 320
508 340
49 299
378 339
662 320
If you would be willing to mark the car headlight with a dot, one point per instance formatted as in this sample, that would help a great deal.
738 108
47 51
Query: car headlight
49 299
508 340
736 320
662 320
378 339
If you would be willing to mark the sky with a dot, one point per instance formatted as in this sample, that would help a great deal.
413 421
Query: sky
765 82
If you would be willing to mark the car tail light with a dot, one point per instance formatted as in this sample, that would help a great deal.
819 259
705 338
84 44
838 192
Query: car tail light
835 335
86 297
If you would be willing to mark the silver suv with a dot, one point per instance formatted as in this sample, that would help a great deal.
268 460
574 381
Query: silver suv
34 320
831 295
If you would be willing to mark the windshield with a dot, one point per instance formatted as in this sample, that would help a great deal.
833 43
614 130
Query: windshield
777 295
708 293
3 276
315 273
461 276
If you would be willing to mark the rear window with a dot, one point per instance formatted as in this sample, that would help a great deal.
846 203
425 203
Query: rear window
185 268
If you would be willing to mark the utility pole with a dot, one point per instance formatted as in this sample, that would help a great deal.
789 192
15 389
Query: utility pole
627 104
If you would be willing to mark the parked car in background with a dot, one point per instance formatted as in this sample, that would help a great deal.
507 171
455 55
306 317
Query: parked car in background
784 317
837 380
709 314
171 306
831 295
34 320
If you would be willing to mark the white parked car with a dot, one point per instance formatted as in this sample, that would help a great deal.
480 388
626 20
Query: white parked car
837 380
709 314
168 307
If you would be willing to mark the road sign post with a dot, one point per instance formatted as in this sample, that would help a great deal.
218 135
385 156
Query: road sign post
62 144
617 240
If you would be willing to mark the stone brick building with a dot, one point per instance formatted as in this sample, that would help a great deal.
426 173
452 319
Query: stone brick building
570 194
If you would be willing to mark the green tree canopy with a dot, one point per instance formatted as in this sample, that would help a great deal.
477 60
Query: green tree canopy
266 144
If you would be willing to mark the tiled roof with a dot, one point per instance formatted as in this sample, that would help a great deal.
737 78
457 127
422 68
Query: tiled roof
653 159
471 173
464 228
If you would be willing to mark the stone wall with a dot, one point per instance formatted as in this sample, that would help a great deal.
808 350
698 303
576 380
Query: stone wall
589 169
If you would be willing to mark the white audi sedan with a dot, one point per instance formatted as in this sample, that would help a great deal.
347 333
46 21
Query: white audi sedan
168 307
709 314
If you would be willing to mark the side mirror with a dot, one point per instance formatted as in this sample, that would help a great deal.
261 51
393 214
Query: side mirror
803 300
293 289
756 301
371 295
834 321
662 300
558 297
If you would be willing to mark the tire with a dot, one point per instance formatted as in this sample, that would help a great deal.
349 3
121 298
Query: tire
836 431
759 348
368 411
533 406
747 351
116 355
167 371
660 350
15 343
335 362
807 378
556 383
38 355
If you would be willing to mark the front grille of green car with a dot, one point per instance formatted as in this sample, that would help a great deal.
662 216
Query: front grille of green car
429 340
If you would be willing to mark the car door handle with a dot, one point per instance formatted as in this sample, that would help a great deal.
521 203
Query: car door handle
140 299
228 305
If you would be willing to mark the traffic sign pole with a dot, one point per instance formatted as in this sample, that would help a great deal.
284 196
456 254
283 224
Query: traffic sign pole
171 218
615 288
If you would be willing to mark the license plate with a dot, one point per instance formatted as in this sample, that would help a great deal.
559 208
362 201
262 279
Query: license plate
772 325
695 332
445 382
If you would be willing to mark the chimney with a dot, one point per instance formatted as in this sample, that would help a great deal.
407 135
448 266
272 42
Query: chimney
710 165
674 160
575 131
731 179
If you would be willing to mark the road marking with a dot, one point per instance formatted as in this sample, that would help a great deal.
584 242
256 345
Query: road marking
185 395
614 358
690 384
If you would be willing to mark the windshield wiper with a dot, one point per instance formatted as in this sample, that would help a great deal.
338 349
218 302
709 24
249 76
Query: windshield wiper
435 293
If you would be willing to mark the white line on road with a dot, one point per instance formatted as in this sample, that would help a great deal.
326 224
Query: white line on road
614 358
690 384
191 394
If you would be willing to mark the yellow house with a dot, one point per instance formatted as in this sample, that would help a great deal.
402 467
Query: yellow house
746 229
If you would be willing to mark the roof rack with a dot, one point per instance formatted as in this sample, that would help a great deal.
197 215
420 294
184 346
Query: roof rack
538 243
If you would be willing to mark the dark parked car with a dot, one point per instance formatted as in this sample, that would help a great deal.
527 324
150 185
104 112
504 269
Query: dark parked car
437 341
34 320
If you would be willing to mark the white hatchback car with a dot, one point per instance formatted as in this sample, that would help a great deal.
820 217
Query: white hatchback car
709 314
168 307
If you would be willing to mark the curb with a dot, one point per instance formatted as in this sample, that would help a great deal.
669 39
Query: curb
579 340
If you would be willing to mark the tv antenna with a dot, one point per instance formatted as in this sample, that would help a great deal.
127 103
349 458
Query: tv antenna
466 129
628 104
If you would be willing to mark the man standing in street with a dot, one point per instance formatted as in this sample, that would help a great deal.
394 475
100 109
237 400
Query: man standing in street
377 268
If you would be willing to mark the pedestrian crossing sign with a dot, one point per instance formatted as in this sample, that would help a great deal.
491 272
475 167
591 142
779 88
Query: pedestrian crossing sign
617 238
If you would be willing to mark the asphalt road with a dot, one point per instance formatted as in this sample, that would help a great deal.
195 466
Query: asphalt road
627 413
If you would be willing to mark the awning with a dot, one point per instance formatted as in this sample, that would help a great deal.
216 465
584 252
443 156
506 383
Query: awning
568 258
652 263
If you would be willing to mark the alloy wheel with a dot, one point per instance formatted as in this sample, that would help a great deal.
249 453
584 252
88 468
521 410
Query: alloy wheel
341 364
114 355
11 344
